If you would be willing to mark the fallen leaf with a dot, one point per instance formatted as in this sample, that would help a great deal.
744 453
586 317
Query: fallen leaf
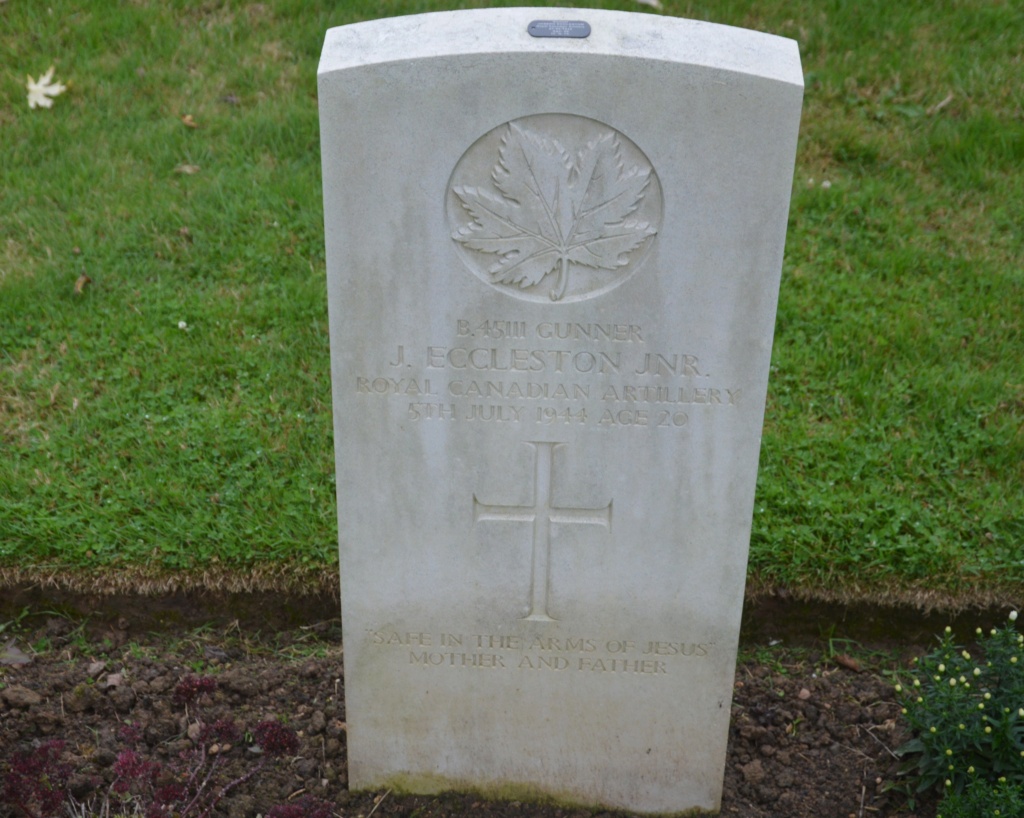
40 94
938 106
188 170
211 652
10 655
82 282
804 694
189 122
849 663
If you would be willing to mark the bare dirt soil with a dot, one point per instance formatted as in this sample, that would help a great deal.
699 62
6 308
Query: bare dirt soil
812 732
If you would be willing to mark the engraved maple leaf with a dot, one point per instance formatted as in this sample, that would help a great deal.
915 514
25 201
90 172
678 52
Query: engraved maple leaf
553 210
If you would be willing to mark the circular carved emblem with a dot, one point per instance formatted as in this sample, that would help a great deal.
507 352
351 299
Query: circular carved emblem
554 207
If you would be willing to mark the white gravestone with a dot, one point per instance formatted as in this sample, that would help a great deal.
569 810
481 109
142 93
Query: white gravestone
554 241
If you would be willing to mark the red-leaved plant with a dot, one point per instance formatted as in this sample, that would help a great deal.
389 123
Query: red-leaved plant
36 783
190 786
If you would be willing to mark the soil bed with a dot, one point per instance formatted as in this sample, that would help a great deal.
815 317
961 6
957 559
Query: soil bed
812 732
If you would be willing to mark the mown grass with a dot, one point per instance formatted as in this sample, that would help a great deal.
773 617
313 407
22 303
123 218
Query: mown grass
138 454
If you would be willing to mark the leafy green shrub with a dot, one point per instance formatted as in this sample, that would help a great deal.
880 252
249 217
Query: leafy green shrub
981 800
967 714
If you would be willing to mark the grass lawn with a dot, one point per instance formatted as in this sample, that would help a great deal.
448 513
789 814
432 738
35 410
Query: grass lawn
166 424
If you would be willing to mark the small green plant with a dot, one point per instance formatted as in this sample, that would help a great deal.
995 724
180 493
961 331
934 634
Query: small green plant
78 639
135 650
43 645
14 623
967 713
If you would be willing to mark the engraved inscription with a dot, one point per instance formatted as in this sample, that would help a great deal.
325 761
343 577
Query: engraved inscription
554 207
509 371
542 514
531 651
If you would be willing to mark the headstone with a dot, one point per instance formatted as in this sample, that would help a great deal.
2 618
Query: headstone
554 242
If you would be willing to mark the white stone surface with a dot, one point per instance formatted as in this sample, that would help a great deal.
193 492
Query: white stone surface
553 267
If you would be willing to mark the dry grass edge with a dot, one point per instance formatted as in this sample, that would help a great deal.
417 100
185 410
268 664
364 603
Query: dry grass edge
144 581
154 582
926 601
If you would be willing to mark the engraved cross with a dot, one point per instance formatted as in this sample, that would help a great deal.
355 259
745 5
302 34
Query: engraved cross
543 513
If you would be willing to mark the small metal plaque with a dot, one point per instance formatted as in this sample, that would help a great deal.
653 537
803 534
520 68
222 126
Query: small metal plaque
577 29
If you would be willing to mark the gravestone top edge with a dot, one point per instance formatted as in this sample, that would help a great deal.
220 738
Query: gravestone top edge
613 33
